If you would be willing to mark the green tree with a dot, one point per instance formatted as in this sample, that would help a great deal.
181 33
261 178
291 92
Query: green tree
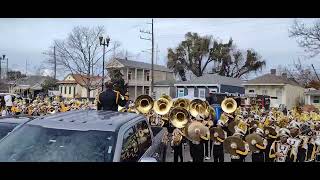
197 53
49 84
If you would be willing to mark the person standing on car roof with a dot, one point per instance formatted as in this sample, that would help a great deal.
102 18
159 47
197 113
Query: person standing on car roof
109 99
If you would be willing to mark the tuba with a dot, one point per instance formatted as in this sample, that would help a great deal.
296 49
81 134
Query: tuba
179 117
163 105
181 102
197 107
229 105
143 104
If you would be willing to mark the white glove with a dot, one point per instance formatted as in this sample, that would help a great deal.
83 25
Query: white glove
215 134
233 145
253 142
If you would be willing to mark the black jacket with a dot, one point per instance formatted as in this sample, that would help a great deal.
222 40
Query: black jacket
109 100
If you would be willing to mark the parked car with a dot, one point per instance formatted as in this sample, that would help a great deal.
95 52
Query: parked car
7 124
84 136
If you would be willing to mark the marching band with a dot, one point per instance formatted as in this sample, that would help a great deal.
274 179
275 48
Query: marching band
266 136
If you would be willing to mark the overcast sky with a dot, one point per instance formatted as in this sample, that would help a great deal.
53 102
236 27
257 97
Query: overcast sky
27 39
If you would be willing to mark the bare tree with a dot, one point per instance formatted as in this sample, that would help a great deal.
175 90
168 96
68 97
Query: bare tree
307 37
81 53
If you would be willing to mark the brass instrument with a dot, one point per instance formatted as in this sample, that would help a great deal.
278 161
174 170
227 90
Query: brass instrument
195 131
197 108
143 104
229 105
163 105
181 102
179 117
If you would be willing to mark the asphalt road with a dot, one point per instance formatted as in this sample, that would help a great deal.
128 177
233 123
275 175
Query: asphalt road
187 157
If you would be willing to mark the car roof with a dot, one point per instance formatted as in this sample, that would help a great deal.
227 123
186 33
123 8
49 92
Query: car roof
14 119
86 120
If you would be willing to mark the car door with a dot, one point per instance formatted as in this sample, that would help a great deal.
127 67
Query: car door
129 149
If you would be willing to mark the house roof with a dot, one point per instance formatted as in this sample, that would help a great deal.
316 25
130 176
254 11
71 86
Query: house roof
165 83
213 79
313 92
141 65
32 82
272 79
81 79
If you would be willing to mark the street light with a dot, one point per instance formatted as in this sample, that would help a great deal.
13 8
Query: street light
104 43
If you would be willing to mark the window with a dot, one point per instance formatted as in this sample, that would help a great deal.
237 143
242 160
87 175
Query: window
202 93
180 92
143 137
129 75
69 89
146 90
74 90
214 90
65 90
147 76
264 92
130 150
61 89
251 90
316 101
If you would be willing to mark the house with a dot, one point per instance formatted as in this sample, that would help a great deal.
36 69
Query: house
201 86
312 97
164 87
138 75
280 88
75 86
29 86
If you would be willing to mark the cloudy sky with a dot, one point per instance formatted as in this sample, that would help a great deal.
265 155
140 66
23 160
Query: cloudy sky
27 39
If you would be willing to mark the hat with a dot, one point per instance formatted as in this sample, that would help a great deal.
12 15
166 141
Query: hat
294 124
284 132
259 131
256 117
241 127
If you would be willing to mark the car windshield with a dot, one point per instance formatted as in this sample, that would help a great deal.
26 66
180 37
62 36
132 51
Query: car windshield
38 144
5 128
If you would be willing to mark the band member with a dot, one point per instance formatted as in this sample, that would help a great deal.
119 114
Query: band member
299 145
240 131
259 154
110 99
217 150
176 144
282 151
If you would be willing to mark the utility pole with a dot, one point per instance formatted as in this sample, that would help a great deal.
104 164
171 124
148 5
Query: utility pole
26 66
152 52
315 72
55 62
7 74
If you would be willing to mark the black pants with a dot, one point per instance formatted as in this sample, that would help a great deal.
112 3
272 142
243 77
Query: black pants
218 154
197 151
301 155
207 148
258 157
178 153
267 159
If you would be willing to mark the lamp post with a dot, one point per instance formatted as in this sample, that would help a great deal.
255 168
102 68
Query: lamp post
1 58
103 42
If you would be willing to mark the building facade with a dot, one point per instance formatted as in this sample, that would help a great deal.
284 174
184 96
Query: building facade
280 88
200 87
138 75
312 97
74 86
165 87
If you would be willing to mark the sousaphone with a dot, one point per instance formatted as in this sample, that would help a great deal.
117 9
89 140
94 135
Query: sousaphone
182 102
163 105
143 104
233 140
229 105
197 108
254 138
179 117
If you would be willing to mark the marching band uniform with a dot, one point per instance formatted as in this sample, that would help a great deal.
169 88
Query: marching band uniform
299 145
217 150
176 144
241 155
259 155
282 151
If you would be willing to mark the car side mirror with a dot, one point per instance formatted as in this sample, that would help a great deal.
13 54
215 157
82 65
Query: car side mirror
148 159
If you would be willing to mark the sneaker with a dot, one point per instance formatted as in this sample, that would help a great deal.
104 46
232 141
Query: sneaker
207 158
190 160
